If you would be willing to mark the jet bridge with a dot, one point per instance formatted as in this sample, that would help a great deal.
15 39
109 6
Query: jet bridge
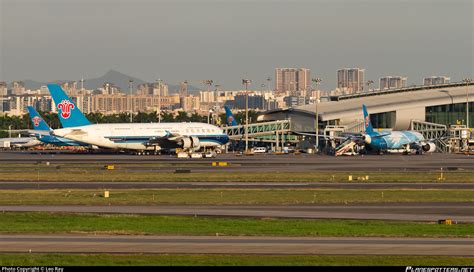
275 132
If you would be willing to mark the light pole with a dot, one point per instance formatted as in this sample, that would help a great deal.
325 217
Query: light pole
369 82
269 92
130 81
246 82
158 83
216 111
467 81
317 81
210 112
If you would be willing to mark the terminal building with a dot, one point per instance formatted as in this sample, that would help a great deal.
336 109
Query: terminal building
432 108
390 109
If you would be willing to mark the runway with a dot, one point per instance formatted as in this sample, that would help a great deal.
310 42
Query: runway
20 185
431 212
263 162
235 245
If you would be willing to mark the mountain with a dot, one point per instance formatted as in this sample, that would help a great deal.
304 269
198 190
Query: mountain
117 78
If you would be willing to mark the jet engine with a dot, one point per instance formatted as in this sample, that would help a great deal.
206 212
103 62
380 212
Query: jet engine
429 147
191 142
367 139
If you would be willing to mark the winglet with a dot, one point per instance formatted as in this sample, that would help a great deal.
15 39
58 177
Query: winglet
229 117
368 125
36 120
69 114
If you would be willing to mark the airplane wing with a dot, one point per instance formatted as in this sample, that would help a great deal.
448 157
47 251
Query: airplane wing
28 131
165 140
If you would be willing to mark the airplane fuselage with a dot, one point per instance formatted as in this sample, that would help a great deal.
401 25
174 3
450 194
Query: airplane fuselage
58 141
137 136
395 140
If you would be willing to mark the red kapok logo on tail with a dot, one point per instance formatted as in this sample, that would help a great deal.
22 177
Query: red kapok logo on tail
36 120
65 107
367 121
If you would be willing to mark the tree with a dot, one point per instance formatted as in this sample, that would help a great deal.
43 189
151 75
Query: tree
182 117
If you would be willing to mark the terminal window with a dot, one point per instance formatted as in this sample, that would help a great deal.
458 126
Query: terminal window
450 114
383 119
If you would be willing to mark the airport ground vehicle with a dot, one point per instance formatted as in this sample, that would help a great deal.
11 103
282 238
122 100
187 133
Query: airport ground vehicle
210 154
259 150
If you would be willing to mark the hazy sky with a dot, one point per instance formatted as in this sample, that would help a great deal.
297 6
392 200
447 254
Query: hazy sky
228 40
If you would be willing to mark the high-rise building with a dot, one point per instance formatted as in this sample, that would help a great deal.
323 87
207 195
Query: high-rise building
292 81
350 80
70 87
18 88
254 101
109 88
3 88
190 103
160 88
435 80
183 89
392 82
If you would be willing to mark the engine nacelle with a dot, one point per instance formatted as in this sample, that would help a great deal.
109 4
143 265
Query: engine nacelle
367 139
429 147
191 143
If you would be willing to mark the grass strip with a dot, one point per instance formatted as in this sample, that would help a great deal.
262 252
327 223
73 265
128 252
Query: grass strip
12 222
156 174
225 260
231 196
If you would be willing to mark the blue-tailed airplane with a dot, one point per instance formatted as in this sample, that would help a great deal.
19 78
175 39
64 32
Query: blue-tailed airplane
394 141
42 131
139 137
229 117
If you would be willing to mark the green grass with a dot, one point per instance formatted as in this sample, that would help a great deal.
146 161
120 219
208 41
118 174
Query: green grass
161 173
182 225
225 260
230 196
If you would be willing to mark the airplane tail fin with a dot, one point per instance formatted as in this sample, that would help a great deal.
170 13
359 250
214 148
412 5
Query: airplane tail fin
368 125
36 120
229 117
69 114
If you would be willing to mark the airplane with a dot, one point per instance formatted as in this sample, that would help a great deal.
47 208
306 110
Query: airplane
140 137
394 141
41 130
19 142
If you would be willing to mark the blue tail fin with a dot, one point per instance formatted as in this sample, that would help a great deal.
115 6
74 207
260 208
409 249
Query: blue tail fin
38 122
368 125
69 114
229 117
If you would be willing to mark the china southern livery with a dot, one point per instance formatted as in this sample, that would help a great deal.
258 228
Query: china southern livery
229 117
391 141
42 131
132 136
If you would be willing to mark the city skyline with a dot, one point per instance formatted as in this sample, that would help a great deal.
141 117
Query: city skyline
179 40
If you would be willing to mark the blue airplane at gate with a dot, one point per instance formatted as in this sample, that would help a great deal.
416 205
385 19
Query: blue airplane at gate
394 141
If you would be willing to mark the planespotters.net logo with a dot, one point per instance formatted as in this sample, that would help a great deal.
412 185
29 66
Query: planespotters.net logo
65 107
439 269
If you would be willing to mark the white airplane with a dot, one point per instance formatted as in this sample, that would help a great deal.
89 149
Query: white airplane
132 136
19 142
